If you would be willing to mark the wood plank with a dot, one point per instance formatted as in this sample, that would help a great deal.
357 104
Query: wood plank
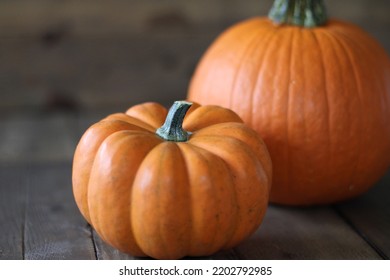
304 233
95 73
287 233
369 214
106 252
36 137
12 211
54 226
118 16
27 17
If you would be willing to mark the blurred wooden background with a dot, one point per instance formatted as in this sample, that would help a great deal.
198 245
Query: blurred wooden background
95 54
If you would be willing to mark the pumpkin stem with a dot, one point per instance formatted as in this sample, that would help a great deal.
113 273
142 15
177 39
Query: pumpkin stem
305 13
172 129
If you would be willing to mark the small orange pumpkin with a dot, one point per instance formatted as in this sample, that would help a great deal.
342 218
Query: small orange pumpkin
318 93
168 193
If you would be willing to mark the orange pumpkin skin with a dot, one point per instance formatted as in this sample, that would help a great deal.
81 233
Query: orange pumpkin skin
319 97
150 197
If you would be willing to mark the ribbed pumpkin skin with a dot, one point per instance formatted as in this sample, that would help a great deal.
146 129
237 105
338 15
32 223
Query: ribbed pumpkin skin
319 98
151 197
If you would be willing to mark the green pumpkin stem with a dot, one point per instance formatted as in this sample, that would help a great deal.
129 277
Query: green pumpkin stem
172 129
305 13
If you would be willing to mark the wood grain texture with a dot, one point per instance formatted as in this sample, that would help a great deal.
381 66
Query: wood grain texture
369 215
305 233
98 53
120 17
106 252
95 73
287 234
29 17
35 137
13 186
54 228
67 64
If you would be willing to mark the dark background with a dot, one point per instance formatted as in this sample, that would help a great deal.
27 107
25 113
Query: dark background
65 64
95 54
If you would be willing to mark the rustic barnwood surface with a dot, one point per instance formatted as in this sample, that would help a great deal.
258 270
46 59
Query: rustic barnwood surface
66 64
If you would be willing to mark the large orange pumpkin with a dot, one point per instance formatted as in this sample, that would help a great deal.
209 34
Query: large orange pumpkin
165 192
317 91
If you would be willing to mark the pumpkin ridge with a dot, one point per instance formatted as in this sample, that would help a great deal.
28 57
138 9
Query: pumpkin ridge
130 123
359 95
266 50
348 174
150 113
134 132
222 133
352 57
288 110
382 57
115 141
208 115
159 230
129 120
133 187
190 201
79 188
199 152
211 150
327 103
158 187
196 137
249 149
293 39
242 228
253 42
367 49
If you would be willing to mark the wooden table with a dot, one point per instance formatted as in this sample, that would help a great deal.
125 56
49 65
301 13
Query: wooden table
64 66
39 218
